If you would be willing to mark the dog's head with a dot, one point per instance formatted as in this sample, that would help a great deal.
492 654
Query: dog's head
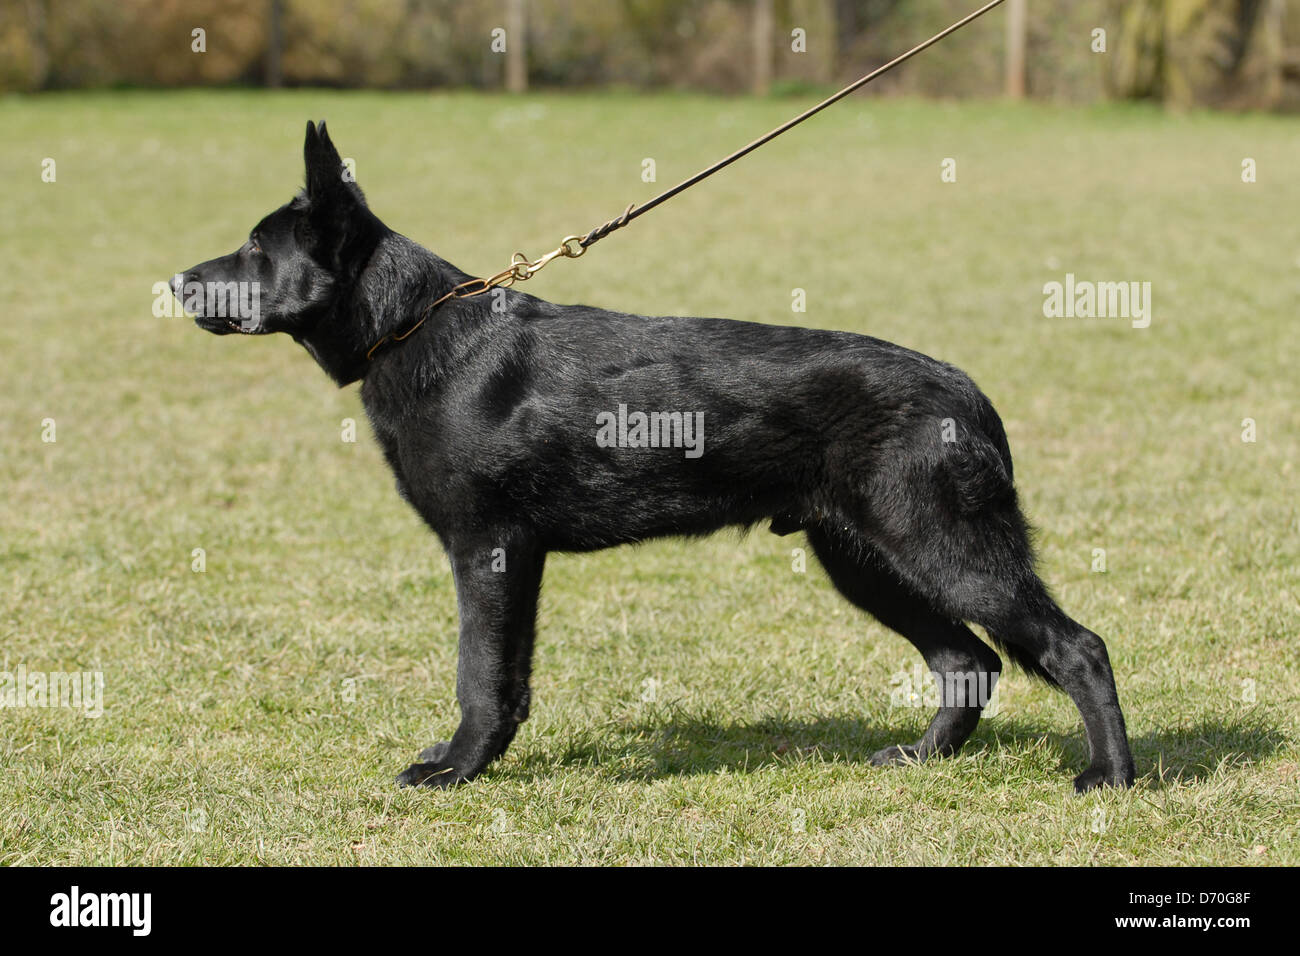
297 262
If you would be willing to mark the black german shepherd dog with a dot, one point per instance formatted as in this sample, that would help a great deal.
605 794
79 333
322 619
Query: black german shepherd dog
516 427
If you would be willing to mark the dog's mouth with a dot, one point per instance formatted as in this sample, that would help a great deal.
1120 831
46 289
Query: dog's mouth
216 324
223 326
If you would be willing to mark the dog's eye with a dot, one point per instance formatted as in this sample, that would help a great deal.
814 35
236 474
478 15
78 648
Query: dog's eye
253 245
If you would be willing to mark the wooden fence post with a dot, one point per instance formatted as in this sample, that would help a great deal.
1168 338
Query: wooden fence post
516 48
1017 31
764 25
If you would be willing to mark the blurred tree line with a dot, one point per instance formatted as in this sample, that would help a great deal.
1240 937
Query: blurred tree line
1231 53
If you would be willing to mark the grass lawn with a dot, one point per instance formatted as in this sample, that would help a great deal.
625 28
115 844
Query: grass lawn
693 702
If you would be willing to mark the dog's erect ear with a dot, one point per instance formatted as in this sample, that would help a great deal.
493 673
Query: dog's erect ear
327 177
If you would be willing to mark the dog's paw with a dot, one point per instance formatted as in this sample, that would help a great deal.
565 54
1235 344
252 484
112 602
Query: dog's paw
895 755
433 770
429 775
1096 776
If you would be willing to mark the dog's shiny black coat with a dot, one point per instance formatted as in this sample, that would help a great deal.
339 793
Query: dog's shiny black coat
894 465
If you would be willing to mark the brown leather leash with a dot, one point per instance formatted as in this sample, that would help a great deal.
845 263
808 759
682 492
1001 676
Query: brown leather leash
521 268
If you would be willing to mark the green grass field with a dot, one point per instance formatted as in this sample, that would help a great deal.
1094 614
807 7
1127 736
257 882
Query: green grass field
694 702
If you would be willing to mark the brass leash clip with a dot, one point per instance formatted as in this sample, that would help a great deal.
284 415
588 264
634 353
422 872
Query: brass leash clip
520 269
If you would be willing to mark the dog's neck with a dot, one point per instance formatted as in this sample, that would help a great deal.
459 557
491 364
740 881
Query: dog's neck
400 280
336 349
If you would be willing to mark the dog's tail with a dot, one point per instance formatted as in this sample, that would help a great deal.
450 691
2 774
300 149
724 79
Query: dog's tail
978 465
991 426
984 480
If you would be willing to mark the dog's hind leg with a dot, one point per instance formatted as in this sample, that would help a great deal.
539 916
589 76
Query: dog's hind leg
1036 632
964 667
955 534
982 571
498 578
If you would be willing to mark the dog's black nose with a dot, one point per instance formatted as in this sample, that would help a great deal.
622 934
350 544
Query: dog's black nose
177 283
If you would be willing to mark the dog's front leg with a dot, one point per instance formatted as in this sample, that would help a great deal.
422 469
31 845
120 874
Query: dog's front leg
498 577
